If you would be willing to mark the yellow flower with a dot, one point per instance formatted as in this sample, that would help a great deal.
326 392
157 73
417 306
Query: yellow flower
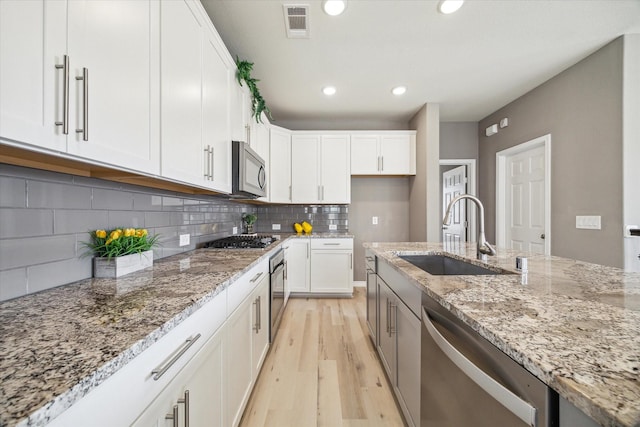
115 234
141 232
129 232
101 234
109 240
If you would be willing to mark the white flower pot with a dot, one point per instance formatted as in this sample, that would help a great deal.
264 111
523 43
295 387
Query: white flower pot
119 266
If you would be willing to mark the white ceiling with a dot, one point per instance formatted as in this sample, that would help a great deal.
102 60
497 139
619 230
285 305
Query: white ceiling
471 63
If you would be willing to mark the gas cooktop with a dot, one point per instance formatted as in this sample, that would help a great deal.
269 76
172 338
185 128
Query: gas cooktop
248 241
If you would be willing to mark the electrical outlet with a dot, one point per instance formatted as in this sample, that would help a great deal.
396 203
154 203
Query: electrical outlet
185 239
333 227
374 220
275 226
235 230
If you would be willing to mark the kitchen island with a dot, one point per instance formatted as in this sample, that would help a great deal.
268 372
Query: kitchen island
574 325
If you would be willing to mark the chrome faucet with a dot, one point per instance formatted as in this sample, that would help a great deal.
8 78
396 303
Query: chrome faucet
484 248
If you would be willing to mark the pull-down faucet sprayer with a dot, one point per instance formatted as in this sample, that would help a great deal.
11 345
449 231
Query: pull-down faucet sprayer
484 248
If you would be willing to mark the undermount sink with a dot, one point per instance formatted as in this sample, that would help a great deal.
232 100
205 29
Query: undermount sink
440 265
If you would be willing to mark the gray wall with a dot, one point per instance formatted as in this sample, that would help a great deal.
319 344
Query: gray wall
459 140
582 110
44 217
388 199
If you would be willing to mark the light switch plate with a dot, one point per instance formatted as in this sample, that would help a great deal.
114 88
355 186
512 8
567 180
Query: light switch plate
185 239
333 226
589 222
235 230
374 220
275 226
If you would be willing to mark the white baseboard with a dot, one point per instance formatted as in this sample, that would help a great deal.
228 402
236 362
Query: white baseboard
359 284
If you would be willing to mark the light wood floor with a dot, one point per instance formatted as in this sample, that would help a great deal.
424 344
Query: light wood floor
322 370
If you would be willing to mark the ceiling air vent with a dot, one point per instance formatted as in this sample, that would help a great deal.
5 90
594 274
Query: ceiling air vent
296 18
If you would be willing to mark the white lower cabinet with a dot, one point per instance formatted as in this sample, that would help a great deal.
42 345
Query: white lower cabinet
332 266
195 397
399 349
298 255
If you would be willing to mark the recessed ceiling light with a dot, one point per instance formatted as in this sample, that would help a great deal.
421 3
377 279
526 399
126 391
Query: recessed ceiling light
449 6
329 90
399 90
334 7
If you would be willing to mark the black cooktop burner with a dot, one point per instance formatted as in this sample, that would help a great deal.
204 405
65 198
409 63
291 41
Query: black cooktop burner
253 241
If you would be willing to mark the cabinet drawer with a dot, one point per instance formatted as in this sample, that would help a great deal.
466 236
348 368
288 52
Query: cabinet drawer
332 243
241 288
134 383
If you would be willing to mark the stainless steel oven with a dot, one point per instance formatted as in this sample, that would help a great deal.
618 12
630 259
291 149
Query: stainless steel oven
467 381
277 303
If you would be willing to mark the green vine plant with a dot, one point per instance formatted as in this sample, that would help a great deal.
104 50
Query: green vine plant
258 105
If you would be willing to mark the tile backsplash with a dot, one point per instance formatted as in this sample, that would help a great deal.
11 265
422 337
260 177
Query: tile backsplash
45 217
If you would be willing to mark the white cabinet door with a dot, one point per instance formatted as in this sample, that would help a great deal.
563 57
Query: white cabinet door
335 165
305 173
298 257
216 133
260 320
119 56
200 387
240 111
365 159
239 360
331 271
33 40
183 156
396 155
280 166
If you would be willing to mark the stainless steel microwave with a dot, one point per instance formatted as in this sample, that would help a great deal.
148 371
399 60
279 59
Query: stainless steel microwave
249 174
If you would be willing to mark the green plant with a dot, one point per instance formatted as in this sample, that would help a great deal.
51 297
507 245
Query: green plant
258 105
119 242
249 218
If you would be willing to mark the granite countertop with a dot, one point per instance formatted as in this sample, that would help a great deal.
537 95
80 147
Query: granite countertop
574 325
57 345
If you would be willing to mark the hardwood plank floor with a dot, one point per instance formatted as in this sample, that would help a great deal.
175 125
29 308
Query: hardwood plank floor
322 370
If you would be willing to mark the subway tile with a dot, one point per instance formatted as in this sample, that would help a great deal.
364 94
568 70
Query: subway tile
147 202
172 203
25 223
50 275
112 199
13 192
53 195
126 219
157 219
36 250
78 221
13 283
179 218
196 218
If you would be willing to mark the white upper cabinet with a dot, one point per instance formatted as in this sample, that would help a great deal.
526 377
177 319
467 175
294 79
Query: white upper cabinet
114 45
320 168
240 111
279 171
33 40
195 135
83 66
388 153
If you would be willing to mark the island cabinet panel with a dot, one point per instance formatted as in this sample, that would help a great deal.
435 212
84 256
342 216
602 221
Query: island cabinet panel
399 349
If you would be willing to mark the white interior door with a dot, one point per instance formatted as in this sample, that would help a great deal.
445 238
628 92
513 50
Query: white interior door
454 183
525 200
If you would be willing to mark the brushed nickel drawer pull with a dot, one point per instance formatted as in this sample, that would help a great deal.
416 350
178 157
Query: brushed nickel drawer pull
185 400
173 416
164 367
85 104
256 277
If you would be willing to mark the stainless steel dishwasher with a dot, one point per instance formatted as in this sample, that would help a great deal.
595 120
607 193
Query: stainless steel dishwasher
467 381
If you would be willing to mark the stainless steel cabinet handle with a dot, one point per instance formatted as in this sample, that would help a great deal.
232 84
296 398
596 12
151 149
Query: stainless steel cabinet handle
167 363
85 104
289 192
255 324
388 317
381 163
208 159
211 157
185 400
173 416
509 400
65 95
331 244
393 319
259 317
256 277
370 258
351 261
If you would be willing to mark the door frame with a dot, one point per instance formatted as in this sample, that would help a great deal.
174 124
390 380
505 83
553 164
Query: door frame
501 179
471 189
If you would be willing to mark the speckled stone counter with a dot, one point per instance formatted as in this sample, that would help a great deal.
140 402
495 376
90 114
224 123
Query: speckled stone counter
57 345
574 325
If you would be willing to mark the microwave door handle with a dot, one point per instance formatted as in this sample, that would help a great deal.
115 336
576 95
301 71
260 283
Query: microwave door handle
262 177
